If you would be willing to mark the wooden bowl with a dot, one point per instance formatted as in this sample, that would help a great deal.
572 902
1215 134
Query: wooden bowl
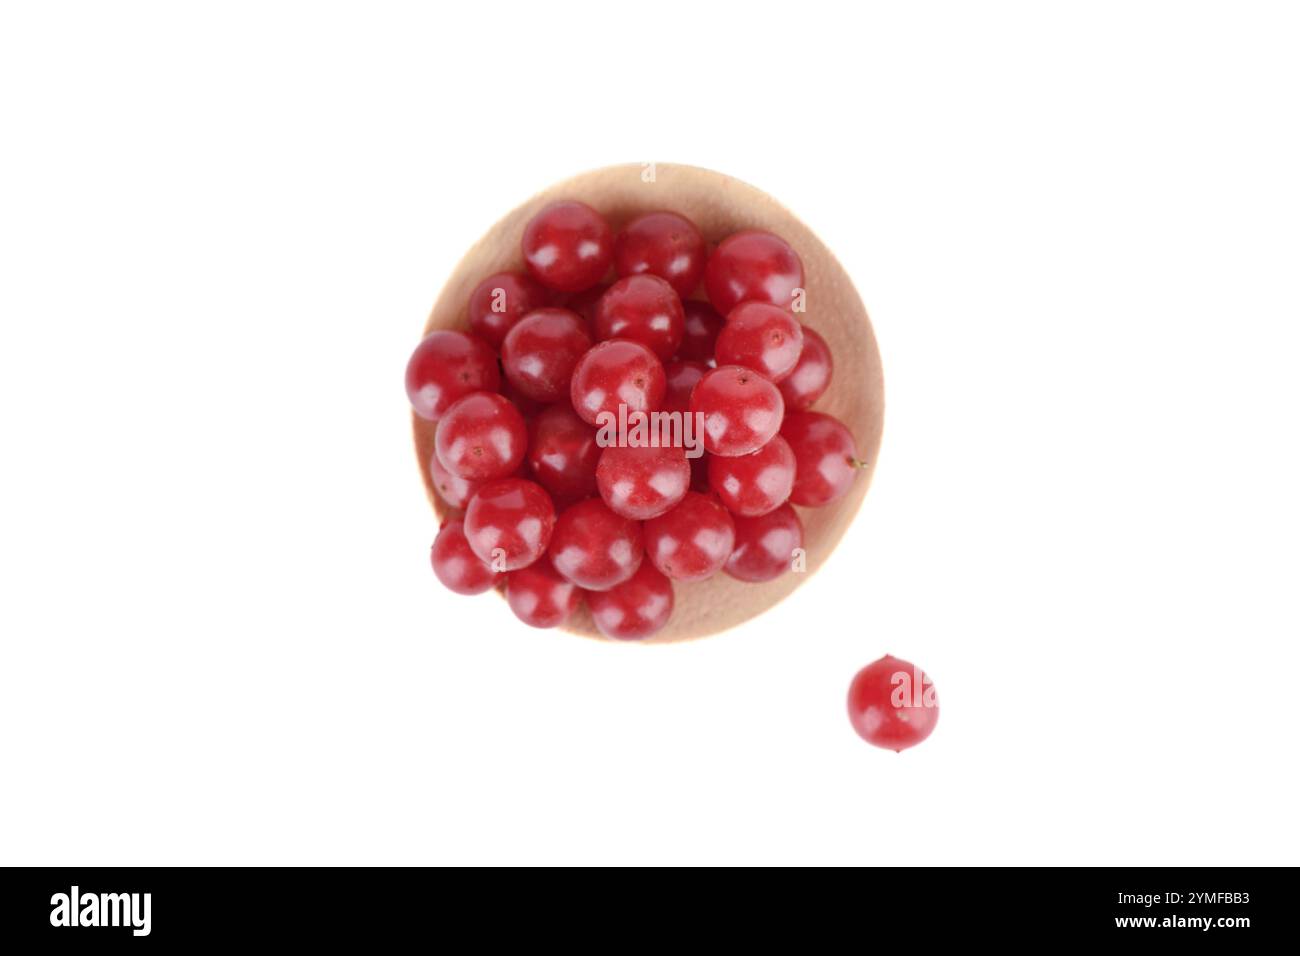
719 205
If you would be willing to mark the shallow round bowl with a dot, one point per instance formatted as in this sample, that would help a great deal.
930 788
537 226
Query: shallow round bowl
719 205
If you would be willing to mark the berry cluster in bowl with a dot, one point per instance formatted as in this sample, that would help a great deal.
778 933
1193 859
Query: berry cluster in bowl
629 411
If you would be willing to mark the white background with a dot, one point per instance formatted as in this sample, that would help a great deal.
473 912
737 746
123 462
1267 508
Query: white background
222 226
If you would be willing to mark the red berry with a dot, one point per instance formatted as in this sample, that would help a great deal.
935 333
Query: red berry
693 541
635 609
539 353
501 300
644 309
456 565
613 373
700 331
509 523
481 437
754 484
680 378
811 375
642 482
825 458
892 704
562 453
742 410
595 548
446 366
762 337
765 546
456 492
752 266
662 244
568 246
540 597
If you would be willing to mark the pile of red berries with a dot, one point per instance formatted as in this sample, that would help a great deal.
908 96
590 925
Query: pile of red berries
554 515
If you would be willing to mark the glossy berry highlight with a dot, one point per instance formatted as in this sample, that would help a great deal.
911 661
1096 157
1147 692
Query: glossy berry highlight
509 523
642 308
562 453
767 546
446 366
481 437
754 484
753 266
762 337
613 373
742 410
811 375
662 244
826 460
568 246
692 541
541 598
636 609
642 482
456 565
595 548
539 353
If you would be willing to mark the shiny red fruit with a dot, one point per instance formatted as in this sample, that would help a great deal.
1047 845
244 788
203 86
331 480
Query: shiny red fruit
681 378
760 336
562 453
700 332
754 484
742 410
811 375
481 437
501 300
765 546
693 541
662 244
752 266
540 597
455 563
446 366
613 373
826 461
644 309
635 609
568 246
641 483
893 704
539 353
509 523
456 492
595 548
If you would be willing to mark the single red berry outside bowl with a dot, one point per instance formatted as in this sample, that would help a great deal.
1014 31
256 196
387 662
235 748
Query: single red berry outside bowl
719 206
893 704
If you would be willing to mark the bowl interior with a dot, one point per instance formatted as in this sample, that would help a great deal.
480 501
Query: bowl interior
719 205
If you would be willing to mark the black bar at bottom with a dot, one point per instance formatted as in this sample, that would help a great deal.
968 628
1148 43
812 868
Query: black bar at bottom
169 906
